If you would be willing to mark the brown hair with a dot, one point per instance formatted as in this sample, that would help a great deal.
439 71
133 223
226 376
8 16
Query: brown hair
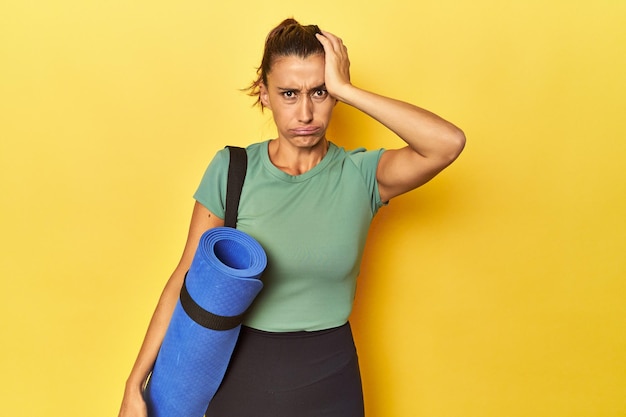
289 38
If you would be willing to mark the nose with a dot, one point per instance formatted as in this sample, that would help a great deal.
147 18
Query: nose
305 110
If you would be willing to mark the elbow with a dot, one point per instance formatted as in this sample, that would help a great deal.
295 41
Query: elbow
454 144
459 140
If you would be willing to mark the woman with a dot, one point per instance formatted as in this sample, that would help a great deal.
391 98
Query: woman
309 203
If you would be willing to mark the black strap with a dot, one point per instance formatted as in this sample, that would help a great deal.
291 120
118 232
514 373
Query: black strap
236 175
203 317
237 168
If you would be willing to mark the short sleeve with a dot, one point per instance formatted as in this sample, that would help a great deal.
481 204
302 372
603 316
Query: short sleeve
211 192
367 163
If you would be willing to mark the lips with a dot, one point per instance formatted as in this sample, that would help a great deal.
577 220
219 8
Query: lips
305 131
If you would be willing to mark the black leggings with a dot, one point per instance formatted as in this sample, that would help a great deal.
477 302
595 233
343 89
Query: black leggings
297 374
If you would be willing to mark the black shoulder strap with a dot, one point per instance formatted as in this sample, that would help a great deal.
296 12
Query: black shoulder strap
236 174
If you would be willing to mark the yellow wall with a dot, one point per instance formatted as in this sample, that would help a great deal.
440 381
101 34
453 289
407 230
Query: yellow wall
496 290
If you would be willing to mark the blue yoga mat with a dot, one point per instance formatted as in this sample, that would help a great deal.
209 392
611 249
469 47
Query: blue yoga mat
223 280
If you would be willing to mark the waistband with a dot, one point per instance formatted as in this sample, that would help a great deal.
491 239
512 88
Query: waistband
296 334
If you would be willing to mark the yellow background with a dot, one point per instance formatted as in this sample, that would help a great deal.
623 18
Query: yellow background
498 289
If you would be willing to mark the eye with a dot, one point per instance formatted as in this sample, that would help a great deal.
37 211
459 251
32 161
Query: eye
289 94
321 93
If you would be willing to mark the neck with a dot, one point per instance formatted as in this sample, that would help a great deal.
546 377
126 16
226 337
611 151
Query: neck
296 160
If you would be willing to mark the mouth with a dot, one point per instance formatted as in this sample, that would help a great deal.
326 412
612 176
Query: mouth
305 131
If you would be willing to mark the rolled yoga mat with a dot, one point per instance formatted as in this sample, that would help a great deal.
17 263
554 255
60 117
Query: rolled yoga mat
222 282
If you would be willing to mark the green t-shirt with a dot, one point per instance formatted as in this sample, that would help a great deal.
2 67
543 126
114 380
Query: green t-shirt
312 226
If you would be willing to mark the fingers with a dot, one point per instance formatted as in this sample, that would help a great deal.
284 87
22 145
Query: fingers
324 41
337 72
329 40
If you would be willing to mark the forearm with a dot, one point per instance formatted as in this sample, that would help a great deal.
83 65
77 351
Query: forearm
423 131
155 333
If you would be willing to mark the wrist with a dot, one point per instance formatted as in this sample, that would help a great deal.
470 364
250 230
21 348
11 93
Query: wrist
135 385
344 93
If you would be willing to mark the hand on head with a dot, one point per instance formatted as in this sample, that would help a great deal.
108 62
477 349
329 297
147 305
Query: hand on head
337 69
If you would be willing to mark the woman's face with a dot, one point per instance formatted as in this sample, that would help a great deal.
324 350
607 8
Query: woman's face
297 96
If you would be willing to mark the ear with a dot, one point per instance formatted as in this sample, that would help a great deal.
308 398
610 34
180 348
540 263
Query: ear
264 96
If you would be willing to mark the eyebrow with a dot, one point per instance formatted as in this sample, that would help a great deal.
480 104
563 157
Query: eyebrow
297 90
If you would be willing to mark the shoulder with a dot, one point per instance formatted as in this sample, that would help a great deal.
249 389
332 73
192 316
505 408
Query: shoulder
361 157
257 149
253 151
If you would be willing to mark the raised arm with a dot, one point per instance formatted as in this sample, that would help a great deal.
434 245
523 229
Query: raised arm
133 404
432 142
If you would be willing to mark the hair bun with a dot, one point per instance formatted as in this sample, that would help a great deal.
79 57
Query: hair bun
287 23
